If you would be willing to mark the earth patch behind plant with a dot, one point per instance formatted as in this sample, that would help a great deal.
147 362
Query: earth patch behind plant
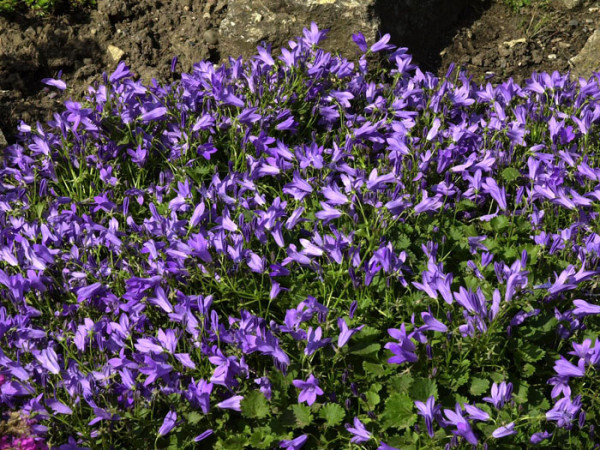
488 38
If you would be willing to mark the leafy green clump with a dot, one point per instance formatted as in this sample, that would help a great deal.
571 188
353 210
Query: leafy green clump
44 6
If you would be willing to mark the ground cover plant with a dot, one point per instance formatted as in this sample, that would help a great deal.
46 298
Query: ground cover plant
301 251
43 6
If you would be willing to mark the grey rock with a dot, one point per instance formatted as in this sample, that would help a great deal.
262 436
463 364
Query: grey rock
570 4
211 37
276 22
115 53
416 24
587 62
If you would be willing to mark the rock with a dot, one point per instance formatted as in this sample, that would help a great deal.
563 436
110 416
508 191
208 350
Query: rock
570 4
115 53
3 142
477 60
211 37
552 56
511 44
417 24
247 24
586 62
573 22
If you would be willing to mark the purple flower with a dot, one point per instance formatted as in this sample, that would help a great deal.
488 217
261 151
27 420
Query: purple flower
309 390
327 214
48 359
359 39
232 403
404 351
203 436
122 71
504 431
431 323
536 438
314 341
345 332
154 114
501 393
294 444
382 44
58 407
359 431
564 411
565 368
314 35
583 308
384 446
476 413
59 84
427 410
463 428
198 394
168 424
265 386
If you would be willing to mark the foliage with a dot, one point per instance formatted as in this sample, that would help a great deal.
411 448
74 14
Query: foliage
44 6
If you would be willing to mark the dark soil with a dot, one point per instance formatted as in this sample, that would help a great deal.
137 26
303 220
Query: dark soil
150 33
540 38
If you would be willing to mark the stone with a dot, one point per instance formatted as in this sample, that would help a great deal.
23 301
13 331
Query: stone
3 142
587 62
276 22
511 44
115 53
419 25
570 4
211 37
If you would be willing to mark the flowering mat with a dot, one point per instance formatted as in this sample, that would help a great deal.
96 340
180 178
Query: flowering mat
304 252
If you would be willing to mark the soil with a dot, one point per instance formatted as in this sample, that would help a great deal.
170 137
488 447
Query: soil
490 39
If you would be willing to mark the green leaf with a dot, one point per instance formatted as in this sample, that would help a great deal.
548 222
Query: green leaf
193 417
528 370
303 415
255 406
398 412
365 349
376 370
520 395
422 389
234 442
499 223
373 399
403 242
479 386
333 414
262 438
510 174
401 383
530 352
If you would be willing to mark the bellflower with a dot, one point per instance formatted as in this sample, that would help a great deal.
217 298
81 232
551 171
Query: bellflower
309 390
504 431
500 394
233 403
361 434
168 424
345 332
294 444
463 428
428 410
